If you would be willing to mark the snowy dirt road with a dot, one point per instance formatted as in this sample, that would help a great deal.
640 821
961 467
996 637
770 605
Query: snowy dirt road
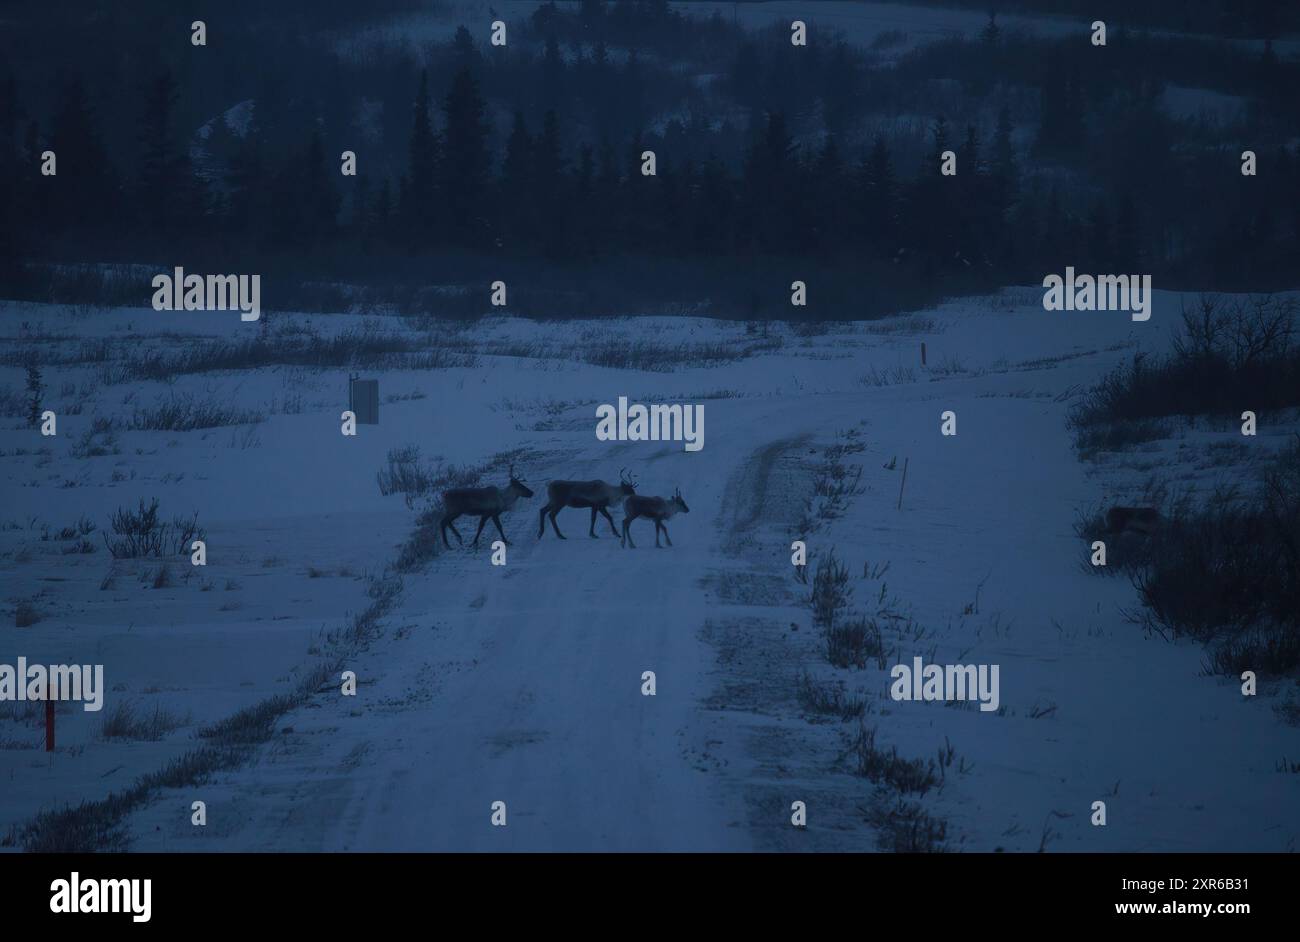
522 684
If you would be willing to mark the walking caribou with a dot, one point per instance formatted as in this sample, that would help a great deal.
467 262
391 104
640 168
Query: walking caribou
656 509
594 494
486 503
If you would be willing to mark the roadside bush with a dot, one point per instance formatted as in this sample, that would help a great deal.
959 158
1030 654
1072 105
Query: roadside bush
140 533
185 413
405 475
830 591
1226 354
1227 573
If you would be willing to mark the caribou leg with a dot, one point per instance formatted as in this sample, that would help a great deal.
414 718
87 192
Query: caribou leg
664 527
627 532
658 526
612 528
592 531
449 521
496 518
481 521
555 526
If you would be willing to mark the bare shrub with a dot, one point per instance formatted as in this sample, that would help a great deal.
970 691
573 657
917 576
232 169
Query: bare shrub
1227 352
124 720
140 533
831 590
888 768
1227 573
828 699
906 828
855 642
406 475
185 413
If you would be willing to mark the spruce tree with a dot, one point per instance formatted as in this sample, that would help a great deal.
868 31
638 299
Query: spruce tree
418 196
465 161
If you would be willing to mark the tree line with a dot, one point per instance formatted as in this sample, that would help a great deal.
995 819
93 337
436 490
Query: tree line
541 156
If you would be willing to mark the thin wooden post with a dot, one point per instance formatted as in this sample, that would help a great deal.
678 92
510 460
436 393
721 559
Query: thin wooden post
49 725
923 353
903 485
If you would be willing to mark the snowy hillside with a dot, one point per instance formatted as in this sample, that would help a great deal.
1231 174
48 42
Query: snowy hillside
523 683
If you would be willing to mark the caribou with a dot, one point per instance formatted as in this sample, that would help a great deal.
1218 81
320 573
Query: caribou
655 508
594 494
486 503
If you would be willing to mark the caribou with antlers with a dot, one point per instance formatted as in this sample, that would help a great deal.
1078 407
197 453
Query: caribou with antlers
594 494
486 503
655 508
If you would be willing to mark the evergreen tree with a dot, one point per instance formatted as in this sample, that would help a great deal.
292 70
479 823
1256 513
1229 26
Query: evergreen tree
248 188
1099 244
516 186
632 101
419 185
463 53
86 195
714 220
13 179
465 161
552 87
973 209
1128 254
990 34
319 198
167 194
878 225
939 131
769 184
585 206
933 220
549 188
829 225
1005 183
381 212
1060 128
9 113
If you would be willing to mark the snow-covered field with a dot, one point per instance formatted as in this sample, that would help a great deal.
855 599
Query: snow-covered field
522 683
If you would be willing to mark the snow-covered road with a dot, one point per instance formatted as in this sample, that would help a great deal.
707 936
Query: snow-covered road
522 683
